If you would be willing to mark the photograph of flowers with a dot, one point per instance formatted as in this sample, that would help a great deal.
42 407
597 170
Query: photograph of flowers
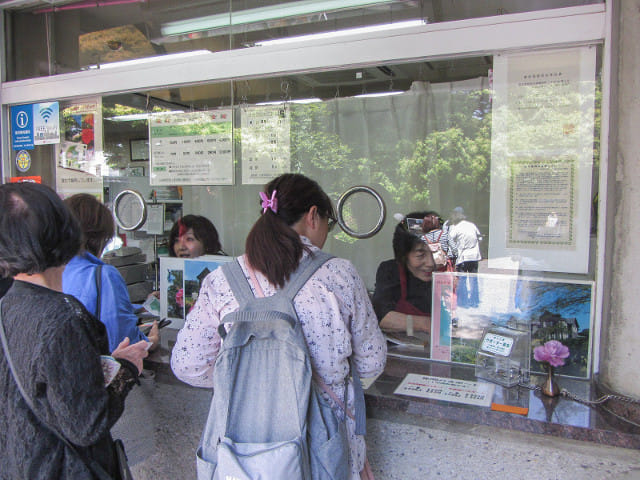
180 281
559 310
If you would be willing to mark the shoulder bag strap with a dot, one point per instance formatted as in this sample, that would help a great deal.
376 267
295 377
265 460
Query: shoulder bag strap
89 462
98 288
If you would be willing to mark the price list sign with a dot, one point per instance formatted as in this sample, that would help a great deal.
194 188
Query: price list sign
266 148
192 148
447 389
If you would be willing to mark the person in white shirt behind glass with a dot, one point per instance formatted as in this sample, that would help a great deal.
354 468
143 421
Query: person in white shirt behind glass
464 239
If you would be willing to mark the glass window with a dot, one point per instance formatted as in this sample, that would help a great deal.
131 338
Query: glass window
48 39
510 141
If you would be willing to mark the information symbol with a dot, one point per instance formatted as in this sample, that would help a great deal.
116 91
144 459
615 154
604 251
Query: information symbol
22 119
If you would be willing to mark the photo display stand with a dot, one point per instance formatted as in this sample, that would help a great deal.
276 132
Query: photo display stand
504 355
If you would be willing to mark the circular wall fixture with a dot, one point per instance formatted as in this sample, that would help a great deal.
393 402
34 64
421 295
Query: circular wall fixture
383 212
129 210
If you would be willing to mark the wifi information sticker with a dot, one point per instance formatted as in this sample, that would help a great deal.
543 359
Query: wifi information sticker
35 124
46 123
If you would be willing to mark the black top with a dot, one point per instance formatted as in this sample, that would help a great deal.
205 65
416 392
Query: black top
387 291
56 345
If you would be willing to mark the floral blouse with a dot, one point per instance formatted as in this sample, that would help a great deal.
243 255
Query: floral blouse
337 320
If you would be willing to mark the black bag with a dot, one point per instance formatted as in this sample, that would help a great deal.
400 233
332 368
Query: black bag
123 463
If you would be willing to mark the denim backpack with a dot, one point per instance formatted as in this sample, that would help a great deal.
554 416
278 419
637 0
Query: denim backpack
267 418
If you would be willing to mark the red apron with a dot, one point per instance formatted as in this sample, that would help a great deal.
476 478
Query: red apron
403 306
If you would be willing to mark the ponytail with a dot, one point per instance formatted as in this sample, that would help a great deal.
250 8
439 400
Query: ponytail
273 247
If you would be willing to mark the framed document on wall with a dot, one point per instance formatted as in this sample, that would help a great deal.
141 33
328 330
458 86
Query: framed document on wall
139 149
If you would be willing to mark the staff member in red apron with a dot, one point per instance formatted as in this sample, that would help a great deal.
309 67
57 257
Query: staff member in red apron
402 296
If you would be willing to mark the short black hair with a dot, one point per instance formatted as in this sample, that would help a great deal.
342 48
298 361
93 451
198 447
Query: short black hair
204 231
403 240
37 230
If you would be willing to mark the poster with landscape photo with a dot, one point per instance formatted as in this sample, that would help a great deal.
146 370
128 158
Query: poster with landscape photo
553 309
180 281
172 290
195 270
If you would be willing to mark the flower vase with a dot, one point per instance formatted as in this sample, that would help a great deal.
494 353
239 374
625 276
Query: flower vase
550 387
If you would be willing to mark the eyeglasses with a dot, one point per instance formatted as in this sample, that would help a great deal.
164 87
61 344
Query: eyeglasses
331 222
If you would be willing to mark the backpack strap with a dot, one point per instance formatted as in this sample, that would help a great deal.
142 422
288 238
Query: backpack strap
238 282
296 281
304 272
239 286
242 290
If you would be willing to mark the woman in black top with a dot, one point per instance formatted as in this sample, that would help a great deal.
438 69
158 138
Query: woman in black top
56 348
402 296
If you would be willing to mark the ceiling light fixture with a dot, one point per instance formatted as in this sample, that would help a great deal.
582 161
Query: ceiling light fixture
341 33
260 14
380 94
149 60
139 116
296 100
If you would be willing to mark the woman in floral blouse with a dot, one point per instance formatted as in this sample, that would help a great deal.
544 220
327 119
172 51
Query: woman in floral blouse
333 307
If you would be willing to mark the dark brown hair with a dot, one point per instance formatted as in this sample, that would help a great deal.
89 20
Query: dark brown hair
95 220
203 230
273 247
37 231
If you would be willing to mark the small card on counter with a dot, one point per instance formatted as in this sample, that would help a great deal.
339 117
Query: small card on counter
447 389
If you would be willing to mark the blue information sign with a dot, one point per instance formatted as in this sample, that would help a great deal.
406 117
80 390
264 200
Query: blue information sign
22 127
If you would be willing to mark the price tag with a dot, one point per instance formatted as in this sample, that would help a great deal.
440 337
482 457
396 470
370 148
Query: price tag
497 344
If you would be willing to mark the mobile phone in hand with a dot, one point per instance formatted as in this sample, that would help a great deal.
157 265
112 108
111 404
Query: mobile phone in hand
164 322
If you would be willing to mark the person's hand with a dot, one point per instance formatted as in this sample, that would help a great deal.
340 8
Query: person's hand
154 335
133 353
155 293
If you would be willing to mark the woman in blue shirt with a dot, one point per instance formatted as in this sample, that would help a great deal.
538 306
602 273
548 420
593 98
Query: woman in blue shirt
79 277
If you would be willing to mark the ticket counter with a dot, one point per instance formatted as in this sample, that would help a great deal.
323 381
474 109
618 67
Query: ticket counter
501 110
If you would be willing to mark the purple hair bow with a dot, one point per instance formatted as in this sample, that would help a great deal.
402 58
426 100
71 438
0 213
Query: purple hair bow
267 202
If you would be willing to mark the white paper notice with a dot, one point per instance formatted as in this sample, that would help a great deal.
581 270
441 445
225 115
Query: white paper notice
447 389
191 148
542 149
266 151
155 219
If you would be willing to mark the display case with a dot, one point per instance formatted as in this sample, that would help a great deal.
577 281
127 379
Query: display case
504 355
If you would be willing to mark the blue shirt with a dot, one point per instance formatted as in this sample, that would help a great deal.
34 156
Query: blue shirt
116 310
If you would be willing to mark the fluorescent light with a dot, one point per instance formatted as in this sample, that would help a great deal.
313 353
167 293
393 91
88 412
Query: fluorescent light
299 100
139 116
381 94
145 60
251 15
341 33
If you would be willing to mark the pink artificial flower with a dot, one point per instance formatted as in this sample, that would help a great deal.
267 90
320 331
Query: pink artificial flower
180 297
552 352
